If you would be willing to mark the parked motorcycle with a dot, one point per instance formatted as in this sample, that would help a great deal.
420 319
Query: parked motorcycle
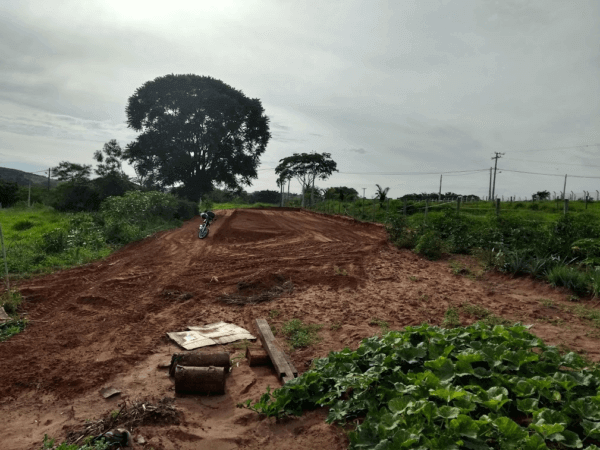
209 217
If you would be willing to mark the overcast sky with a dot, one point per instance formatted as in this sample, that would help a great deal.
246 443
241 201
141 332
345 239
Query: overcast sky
400 87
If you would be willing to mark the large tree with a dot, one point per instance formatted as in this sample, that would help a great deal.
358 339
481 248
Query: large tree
305 167
109 159
195 132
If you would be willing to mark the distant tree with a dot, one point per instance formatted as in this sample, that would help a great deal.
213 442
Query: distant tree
72 172
345 193
195 131
267 196
381 194
305 167
9 192
109 159
541 195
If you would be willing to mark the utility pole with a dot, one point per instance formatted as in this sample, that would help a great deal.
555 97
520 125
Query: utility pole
49 169
363 203
498 155
440 193
490 192
565 188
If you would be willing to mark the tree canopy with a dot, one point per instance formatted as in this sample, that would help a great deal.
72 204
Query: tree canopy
72 172
109 159
305 167
195 131
381 194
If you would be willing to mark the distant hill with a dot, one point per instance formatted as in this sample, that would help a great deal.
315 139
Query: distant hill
23 178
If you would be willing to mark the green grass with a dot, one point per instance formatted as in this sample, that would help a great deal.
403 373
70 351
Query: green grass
221 206
299 334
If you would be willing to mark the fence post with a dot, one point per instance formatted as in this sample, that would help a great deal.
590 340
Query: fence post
497 206
458 205
404 208
566 206
5 263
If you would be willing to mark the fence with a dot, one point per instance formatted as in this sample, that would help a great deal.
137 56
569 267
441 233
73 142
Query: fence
376 211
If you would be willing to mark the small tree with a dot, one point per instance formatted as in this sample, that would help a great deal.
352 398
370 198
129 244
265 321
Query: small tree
381 194
305 167
541 195
109 159
72 172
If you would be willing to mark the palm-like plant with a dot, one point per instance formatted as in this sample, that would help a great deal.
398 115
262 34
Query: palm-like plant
381 194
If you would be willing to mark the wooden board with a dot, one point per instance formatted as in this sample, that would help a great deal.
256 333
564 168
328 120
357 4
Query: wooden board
275 351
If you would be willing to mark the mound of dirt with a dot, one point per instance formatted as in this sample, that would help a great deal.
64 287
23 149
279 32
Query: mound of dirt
105 323
257 290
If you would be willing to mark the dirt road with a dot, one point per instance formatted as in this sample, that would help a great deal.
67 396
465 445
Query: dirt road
104 324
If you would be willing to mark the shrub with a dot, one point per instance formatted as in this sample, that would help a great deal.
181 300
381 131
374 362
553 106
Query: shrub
54 241
75 198
569 277
186 209
430 245
594 282
23 225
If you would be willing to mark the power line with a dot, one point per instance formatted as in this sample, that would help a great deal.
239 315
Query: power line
562 164
556 148
549 174
412 173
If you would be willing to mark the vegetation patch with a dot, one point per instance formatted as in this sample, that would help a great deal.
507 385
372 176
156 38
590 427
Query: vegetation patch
476 387
300 335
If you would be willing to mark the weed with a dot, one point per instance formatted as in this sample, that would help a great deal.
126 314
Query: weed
424 298
11 327
574 298
335 326
241 345
274 313
10 301
380 323
547 302
477 311
413 278
48 444
300 335
593 315
114 413
570 278
339 271
451 318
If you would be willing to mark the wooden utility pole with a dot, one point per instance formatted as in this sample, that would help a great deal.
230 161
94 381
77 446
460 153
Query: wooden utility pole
498 155
440 193
49 170
490 191
565 187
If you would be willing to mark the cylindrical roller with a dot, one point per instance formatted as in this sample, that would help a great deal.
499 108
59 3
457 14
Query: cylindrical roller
200 359
199 380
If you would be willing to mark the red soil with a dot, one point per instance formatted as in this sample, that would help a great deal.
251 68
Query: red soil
104 324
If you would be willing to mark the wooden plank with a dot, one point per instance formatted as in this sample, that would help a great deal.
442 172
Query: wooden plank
291 364
273 348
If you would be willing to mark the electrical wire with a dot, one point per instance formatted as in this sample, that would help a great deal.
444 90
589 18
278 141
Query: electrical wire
549 174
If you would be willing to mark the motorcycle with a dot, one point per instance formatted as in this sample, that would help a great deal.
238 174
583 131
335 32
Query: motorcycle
209 217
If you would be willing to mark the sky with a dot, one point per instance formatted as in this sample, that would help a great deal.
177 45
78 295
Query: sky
399 92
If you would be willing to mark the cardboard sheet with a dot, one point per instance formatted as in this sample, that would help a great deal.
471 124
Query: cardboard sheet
211 334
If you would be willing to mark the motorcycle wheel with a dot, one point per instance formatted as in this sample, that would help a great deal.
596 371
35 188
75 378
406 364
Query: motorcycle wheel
203 232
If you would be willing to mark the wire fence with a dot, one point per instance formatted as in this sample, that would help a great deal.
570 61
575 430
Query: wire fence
544 211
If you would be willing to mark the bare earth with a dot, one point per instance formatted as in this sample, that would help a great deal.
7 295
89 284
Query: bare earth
104 324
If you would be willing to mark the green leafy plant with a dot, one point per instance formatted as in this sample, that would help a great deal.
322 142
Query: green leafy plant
49 444
380 323
339 271
274 313
468 387
300 335
569 277
451 318
430 245
23 225
335 326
